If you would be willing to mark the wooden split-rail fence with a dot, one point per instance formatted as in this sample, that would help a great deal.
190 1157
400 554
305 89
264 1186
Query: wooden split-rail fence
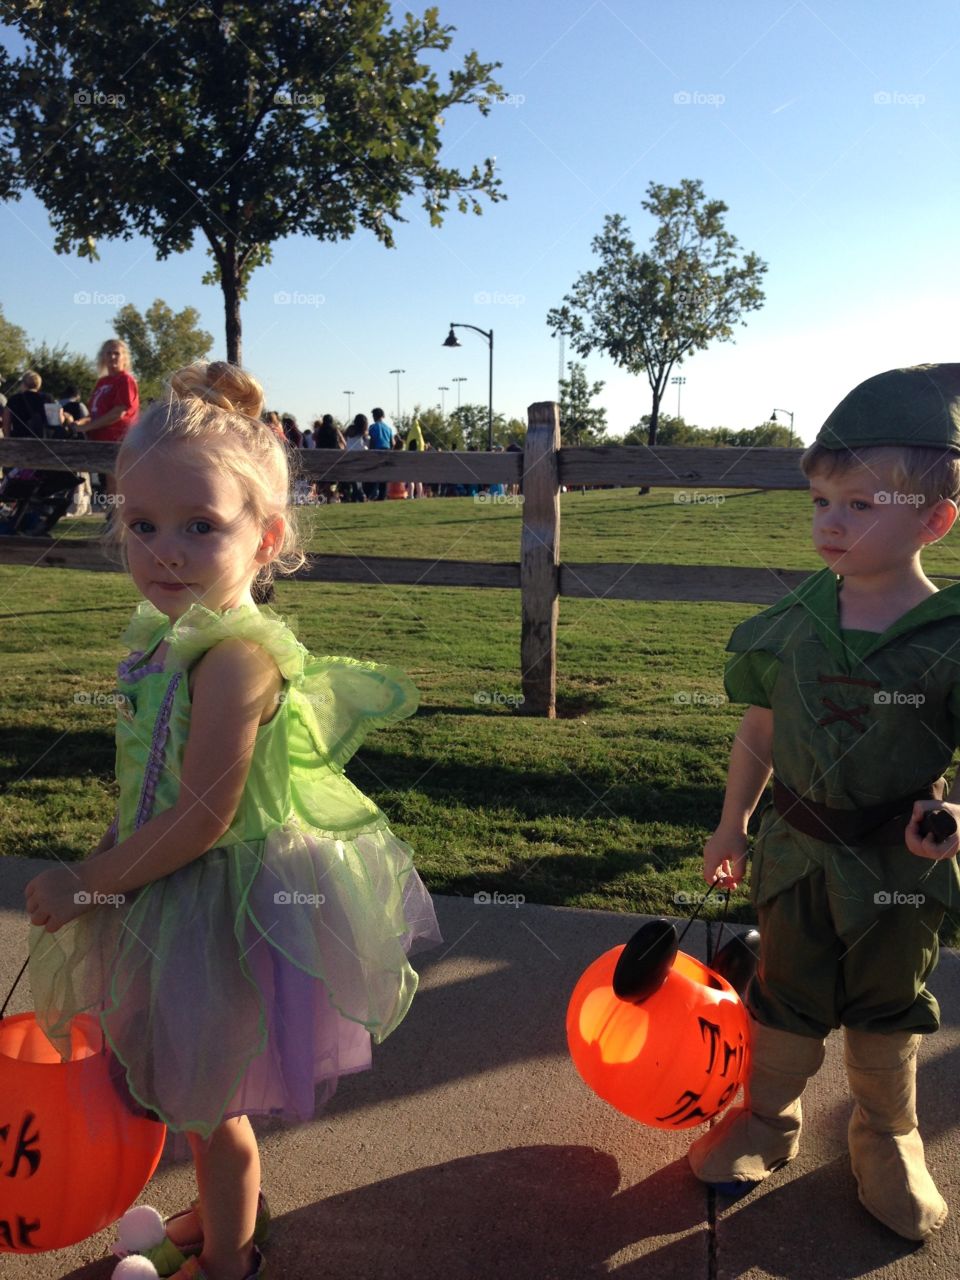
542 577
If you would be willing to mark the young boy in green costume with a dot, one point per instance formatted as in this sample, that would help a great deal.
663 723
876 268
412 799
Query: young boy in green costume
853 682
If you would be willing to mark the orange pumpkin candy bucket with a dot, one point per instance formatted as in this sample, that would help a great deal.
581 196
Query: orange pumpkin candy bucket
75 1149
656 1033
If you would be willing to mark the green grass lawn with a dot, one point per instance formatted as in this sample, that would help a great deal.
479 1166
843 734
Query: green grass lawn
607 806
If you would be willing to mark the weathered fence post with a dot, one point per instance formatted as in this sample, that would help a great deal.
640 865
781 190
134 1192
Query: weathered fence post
539 560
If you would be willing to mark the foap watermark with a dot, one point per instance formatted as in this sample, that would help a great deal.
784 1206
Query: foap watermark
314 699
508 99
84 899
888 498
107 500
897 698
94 98
294 898
488 298
684 898
694 698
894 98
499 499
487 698
694 498
286 298
98 699
884 898
294 98
495 899
84 298
696 98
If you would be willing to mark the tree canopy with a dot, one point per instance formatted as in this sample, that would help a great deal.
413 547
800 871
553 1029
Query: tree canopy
241 123
159 342
648 311
13 353
580 422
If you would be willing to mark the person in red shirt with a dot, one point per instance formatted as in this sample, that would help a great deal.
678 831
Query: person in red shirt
115 403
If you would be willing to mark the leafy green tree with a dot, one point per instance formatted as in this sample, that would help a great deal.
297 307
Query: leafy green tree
238 122
670 431
14 353
159 342
768 435
61 369
580 422
648 311
471 420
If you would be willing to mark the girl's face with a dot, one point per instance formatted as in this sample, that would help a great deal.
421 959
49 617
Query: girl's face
189 539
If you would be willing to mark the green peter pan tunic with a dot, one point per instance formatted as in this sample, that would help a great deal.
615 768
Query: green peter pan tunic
859 718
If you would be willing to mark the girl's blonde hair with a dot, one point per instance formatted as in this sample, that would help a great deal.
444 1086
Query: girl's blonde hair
102 365
217 407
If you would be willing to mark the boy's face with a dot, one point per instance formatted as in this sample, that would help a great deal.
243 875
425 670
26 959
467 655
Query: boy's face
863 525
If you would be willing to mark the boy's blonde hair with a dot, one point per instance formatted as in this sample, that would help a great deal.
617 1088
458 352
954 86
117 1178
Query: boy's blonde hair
216 407
932 473
31 380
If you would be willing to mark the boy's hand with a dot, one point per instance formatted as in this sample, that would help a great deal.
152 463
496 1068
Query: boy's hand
927 847
725 858
52 898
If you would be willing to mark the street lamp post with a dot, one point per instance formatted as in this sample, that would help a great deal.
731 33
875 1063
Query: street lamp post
679 383
398 373
348 394
443 400
773 418
452 341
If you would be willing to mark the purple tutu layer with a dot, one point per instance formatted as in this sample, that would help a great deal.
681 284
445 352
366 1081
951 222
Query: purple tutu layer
248 979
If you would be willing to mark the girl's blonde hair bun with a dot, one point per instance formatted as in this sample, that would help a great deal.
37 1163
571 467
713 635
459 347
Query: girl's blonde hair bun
225 385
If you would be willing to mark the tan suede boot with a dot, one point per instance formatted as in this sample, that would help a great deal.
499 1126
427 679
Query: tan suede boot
751 1141
886 1150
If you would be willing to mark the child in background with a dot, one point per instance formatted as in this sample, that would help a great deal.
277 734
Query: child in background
853 682
242 930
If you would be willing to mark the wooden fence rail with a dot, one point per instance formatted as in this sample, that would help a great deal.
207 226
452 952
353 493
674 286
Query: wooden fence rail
541 576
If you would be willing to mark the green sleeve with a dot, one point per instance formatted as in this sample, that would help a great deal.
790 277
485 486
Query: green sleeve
750 677
953 710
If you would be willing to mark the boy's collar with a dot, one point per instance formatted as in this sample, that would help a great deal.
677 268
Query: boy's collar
819 596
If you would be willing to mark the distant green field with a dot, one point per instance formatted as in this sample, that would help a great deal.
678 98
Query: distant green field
607 806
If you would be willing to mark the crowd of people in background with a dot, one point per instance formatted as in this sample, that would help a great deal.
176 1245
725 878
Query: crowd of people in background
113 407
362 433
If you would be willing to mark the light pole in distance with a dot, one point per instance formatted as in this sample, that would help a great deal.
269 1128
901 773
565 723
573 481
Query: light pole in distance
451 340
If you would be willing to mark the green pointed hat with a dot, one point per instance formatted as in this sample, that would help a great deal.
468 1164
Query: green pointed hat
918 406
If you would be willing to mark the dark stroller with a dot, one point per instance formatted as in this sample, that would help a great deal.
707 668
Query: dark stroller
38 500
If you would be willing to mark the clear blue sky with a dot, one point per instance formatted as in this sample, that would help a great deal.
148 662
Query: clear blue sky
830 130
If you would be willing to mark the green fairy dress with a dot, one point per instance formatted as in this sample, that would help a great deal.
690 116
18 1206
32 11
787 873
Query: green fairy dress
262 969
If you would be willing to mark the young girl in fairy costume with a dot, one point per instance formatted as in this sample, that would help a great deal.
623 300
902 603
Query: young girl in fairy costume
242 929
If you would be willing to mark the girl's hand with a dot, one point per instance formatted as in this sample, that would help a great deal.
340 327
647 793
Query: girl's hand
725 858
56 897
927 847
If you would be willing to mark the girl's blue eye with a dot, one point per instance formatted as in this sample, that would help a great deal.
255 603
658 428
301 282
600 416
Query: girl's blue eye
133 526
206 523
859 505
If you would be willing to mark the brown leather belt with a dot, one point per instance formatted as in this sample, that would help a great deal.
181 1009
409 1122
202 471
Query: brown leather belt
876 824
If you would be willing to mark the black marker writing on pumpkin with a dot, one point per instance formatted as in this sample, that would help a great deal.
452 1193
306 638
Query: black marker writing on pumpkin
26 1147
17 1235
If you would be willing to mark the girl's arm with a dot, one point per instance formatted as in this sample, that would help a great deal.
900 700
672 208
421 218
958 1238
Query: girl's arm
725 853
235 683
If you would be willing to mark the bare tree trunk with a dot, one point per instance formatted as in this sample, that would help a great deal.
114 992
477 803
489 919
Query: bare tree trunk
230 282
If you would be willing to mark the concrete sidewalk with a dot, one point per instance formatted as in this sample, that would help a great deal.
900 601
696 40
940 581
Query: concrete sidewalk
472 1150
